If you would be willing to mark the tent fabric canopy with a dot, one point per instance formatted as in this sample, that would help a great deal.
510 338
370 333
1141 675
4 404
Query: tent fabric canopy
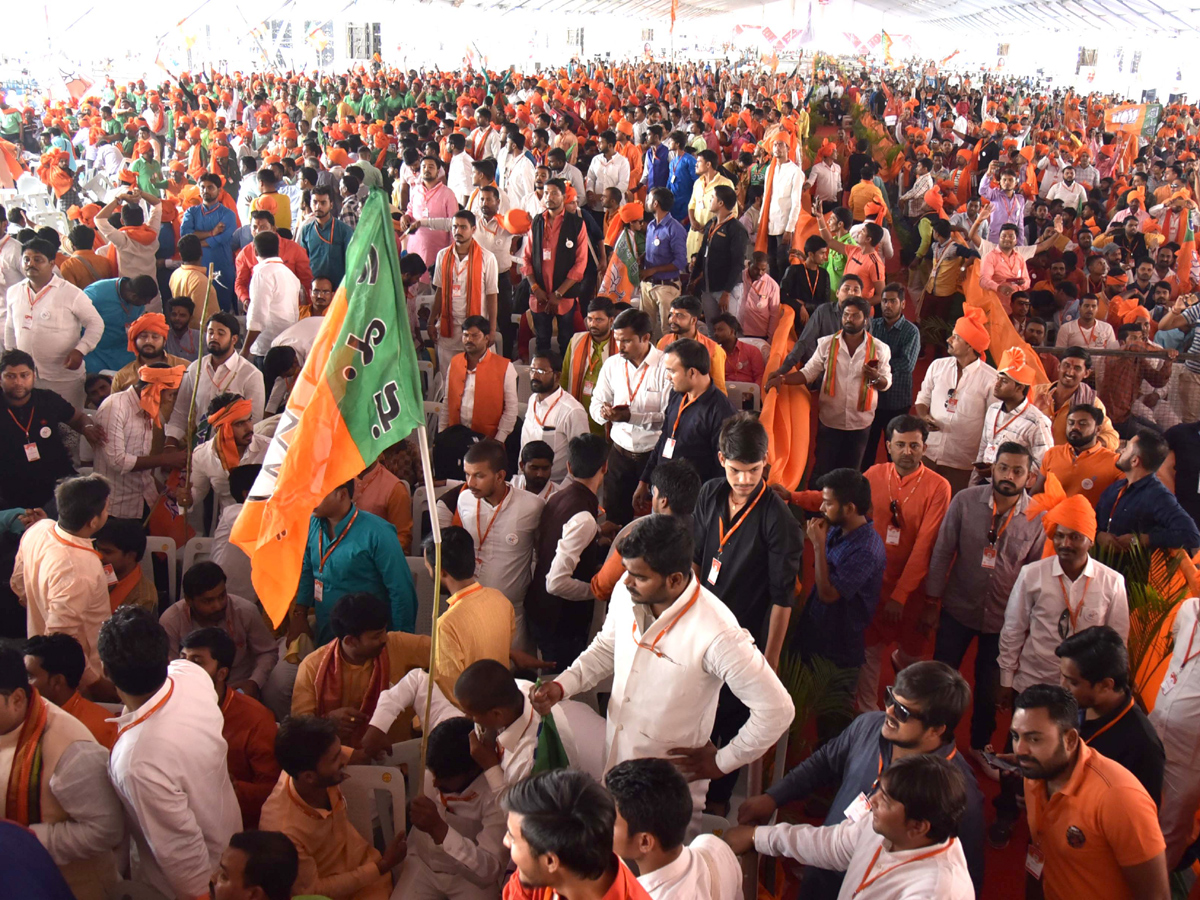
988 18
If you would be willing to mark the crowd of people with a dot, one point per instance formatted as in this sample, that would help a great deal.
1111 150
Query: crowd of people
631 288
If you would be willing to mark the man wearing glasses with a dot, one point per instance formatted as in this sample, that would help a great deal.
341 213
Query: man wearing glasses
985 540
922 712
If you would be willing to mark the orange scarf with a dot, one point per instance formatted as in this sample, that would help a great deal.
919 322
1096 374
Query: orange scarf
23 801
764 219
119 592
328 682
222 422
473 288
156 380
581 359
866 393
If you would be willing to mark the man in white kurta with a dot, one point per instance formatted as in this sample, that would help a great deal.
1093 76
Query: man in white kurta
668 669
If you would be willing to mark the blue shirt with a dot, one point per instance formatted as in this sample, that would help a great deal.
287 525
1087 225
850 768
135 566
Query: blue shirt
326 247
666 244
683 176
219 249
655 165
837 630
112 352
1146 507
364 554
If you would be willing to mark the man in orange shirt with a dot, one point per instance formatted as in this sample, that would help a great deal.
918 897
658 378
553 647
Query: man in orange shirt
249 728
1093 828
55 663
1083 465
684 322
84 266
909 501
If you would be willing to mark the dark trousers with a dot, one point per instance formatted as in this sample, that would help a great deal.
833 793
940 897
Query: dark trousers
563 643
777 254
953 639
878 432
731 716
1012 786
566 328
837 449
620 481
1128 428
504 311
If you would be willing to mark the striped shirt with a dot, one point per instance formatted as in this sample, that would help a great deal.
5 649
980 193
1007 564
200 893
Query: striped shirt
1026 425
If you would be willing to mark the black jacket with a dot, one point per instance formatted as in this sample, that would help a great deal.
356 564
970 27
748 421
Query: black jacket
723 254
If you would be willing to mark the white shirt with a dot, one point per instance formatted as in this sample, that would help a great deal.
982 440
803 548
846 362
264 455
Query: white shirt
886 250
518 179
1099 337
707 869
300 337
10 263
533 204
785 198
458 284
1026 425
275 293
841 410
505 540
235 375
668 698
851 847
473 848
231 558
466 409
957 440
130 433
61 320
134 258
1037 616
491 236
554 418
578 532
572 176
170 770
1176 713
109 158
605 173
409 693
484 142
209 473
826 178
1073 196
518 481
645 390
458 176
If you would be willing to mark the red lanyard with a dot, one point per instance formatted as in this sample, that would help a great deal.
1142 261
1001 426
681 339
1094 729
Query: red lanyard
321 542
1000 533
899 484
24 428
542 420
867 882
683 404
463 594
157 706
33 299
1074 613
633 391
1120 716
482 538
1188 655
722 537
1117 502
65 543
652 647
317 229
997 427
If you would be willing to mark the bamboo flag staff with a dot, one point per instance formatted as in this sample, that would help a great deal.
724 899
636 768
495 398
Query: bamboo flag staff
436 528
191 424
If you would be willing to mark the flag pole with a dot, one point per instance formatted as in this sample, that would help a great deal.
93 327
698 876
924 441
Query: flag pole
191 423
436 529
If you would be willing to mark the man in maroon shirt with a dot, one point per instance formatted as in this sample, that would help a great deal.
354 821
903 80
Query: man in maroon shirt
293 255
743 362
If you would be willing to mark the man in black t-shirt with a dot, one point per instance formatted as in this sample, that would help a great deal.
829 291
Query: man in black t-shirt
32 455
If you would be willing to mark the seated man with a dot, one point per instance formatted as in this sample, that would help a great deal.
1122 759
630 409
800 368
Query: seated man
654 809
344 678
560 835
499 705
911 822
306 805
207 604
121 544
257 865
233 443
231 558
481 386
249 726
57 783
457 840
55 664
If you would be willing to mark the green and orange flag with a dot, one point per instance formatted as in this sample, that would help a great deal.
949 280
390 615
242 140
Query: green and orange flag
358 394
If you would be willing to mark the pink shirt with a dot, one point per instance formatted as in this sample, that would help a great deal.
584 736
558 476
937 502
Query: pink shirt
759 311
1000 268
437 202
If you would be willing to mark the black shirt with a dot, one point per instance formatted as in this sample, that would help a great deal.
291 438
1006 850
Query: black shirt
761 557
723 253
31 484
1131 741
696 437
1184 441
801 287
854 167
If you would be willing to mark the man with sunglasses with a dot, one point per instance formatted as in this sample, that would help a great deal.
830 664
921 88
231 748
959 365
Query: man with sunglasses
922 712
984 541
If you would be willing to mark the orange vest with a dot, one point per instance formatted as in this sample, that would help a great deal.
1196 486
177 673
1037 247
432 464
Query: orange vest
489 391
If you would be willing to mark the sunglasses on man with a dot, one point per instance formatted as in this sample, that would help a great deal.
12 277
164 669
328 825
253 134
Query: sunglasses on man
899 710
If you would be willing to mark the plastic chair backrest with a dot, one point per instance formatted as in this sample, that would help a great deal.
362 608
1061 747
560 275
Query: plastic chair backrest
165 546
424 585
364 806
196 550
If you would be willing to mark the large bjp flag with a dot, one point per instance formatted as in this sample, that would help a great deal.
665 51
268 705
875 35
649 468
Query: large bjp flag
357 395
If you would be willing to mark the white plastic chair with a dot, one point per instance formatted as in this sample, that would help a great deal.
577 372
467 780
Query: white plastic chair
408 755
426 369
433 415
364 806
763 347
524 390
421 505
166 546
115 708
196 550
717 825
740 390
424 585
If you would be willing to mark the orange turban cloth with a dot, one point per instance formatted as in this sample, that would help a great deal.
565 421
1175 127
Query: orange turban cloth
630 212
876 210
73 213
156 323
128 177
87 215
1013 364
934 200
157 380
569 195
338 157
1138 194
825 150
222 422
625 127
1074 513
516 221
972 328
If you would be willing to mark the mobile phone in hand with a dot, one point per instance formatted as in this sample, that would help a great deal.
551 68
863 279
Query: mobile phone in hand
1002 764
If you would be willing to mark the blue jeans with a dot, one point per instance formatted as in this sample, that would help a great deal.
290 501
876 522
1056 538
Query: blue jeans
566 328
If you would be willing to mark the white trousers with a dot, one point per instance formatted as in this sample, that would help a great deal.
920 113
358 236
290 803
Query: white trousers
419 882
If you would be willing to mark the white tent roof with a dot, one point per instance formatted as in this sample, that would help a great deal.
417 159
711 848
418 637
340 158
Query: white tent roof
987 18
